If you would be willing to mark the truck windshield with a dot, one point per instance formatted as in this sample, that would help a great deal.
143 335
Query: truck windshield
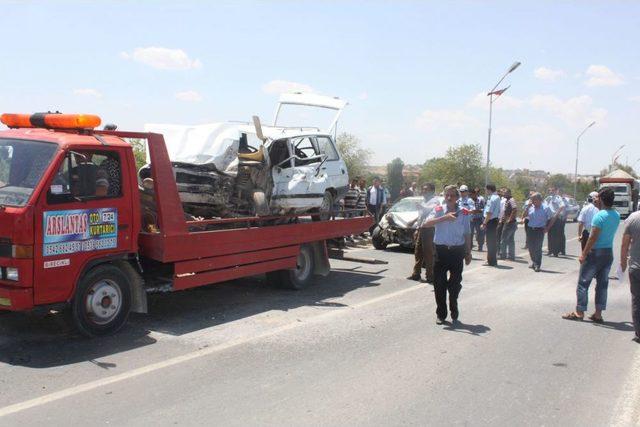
22 164
620 189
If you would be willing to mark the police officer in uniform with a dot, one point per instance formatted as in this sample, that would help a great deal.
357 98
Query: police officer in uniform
452 240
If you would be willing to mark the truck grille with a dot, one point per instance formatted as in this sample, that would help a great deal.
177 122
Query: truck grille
621 203
5 247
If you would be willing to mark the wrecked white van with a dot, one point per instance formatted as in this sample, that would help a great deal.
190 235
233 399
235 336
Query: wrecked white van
237 169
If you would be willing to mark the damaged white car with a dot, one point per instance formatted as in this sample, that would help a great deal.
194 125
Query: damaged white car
237 169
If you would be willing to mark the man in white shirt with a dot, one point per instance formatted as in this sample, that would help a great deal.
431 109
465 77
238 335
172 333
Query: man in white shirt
586 216
555 234
376 201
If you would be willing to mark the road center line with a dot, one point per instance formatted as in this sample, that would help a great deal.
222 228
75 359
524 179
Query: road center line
92 385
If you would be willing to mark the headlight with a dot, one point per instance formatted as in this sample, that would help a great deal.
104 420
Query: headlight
11 274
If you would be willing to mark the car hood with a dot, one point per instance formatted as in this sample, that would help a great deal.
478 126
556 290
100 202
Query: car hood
403 218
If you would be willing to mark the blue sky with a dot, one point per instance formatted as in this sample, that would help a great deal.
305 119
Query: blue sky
415 73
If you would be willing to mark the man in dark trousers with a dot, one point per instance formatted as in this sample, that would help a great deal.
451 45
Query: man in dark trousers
556 233
477 218
540 220
452 240
423 249
630 256
376 201
490 224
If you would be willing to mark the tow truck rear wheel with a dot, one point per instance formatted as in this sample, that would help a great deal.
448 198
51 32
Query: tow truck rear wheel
102 301
299 277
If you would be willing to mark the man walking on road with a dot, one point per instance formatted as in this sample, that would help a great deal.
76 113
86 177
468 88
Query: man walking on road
540 220
490 224
452 241
423 248
477 218
596 258
630 255
586 216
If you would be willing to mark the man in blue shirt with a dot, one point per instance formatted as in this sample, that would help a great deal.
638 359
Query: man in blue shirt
596 258
490 224
452 239
540 220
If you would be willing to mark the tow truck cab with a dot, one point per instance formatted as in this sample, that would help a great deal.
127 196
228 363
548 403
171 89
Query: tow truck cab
66 204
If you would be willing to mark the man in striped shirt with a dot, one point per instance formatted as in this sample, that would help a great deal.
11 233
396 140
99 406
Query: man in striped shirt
351 199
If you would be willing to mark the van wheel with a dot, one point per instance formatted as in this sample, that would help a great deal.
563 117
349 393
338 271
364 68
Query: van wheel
296 278
326 208
102 301
377 239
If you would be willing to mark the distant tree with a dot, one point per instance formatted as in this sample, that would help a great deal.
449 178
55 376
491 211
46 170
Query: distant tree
394 177
559 181
520 187
139 152
460 165
356 157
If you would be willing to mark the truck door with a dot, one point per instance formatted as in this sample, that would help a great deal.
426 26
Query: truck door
84 214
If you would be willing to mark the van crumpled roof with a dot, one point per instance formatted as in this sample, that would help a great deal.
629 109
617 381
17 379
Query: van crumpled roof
213 143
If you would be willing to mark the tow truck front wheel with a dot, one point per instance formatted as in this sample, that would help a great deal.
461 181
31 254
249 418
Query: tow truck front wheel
102 301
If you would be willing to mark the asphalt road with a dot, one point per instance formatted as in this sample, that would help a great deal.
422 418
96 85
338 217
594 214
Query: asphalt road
360 347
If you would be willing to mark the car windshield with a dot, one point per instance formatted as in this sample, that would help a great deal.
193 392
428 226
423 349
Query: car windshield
22 164
406 205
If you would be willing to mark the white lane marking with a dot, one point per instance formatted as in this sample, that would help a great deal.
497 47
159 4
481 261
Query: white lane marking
82 388
92 385
627 409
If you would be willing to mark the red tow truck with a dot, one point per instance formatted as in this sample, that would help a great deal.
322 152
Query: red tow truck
72 232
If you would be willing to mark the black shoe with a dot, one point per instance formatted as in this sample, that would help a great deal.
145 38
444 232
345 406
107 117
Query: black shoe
414 277
429 281
536 269
563 254
636 339
439 321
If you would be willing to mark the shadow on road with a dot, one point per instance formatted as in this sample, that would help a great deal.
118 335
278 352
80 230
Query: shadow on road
458 326
47 341
618 326
552 271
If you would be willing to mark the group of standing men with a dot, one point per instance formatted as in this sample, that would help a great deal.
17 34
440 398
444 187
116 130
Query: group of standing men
447 224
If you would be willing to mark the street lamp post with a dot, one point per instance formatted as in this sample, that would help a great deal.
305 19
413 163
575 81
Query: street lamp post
615 156
575 175
491 94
